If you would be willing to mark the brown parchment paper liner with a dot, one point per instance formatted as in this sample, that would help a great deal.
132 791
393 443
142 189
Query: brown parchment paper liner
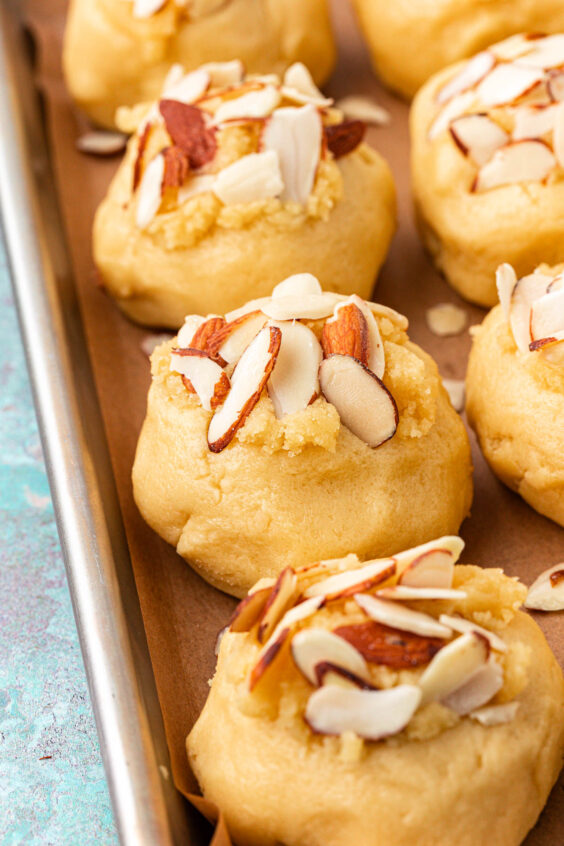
182 614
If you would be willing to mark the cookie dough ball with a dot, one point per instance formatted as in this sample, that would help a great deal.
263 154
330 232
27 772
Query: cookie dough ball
215 202
412 39
118 53
379 716
515 387
332 433
487 162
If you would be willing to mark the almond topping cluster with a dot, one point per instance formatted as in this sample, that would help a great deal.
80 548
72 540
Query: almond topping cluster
504 111
293 127
534 309
460 659
228 362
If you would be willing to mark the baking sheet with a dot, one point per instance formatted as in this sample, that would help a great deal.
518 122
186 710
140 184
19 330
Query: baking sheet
182 614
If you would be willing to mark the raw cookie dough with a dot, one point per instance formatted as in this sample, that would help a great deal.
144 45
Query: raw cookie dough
412 39
515 396
487 155
301 485
471 752
270 180
113 57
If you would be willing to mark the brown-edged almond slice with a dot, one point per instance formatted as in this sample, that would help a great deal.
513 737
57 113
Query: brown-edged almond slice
282 595
507 83
98 143
300 306
177 167
293 381
255 104
297 285
247 383
506 280
192 322
295 134
346 333
547 316
343 138
547 591
462 626
205 332
431 569
232 339
555 85
187 128
478 136
205 376
365 405
404 593
327 673
299 86
253 177
312 646
249 610
470 74
495 715
480 688
397 616
150 192
453 666
223 74
459 104
350 582
547 53
389 647
526 291
552 349
188 87
517 162
533 121
370 714
450 546
376 357
365 109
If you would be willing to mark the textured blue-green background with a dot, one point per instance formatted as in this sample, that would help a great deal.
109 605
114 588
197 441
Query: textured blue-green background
44 703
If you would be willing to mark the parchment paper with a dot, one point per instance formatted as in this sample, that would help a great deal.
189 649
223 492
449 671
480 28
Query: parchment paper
182 614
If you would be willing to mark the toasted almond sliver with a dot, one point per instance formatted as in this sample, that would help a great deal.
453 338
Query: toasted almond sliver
98 143
255 104
446 319
249 610
456 390
356 107
189 88
471 73
440 568
282 595
295 135
294 382
478 690
375 357
371 714
192 323
297 285
453 666
547 591
496 715
398 617
506 83
462 625
233 338
149 192
255 176
350 582
517 162
206 376
478 136
299 86
312 646
223 74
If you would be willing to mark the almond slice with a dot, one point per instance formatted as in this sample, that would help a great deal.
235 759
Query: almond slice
149 192
206 377
249 610
365 109
311 647
547 591
496 715
547 53
552 350
255 176
371 714
232 339
505 280
446 319
201 340
519 161
146 8
300 306
282 595
295 135
224 74
402 593
533 121
547 316
507 83
398 617
478 690
327 673
376 357
196 184
365 405
299 86
251 305
526 291
192 323
247 383
478 136
454 108
453 666
298 285
556 284
431 569
456 390
558 134
450 548
462 625
293 382
399 650
353 581
471 73
99 143
512 47
255 104
555 85
188 88
346 333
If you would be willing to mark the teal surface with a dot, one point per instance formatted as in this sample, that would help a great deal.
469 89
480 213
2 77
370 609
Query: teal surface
45 710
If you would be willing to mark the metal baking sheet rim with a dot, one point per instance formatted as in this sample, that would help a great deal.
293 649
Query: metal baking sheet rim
148 810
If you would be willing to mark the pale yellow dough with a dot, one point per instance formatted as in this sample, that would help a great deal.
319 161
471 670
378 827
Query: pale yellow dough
244 253
468 235
451 782
515 403
412 39
112 59
303 487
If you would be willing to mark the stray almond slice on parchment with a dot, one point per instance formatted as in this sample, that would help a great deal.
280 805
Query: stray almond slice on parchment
478 136
446 319
350 582
505 280
470 74
462 625
299 86
297 285
495 715
346 333
98 143
507 83
453 666
247 383
281 597
547 591
295 136
365 109
478 690
389 647
430 564
398 617
249 610
370 714
204 375
294 383
365 405
517 162
312 647
253 177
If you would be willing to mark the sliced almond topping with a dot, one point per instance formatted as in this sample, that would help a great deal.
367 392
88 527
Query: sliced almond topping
149 193
365 109
376 357
298 285
512 48
191 323
142 141
176 168
453 666
311 647
547 316
533 121
346 333
146 8
496 715
547 53
188 88
507 83
552 349
381 644
519 161
255 104
223 74
558 134
478 690
371 714
201 340
398 617
205 376
431 569
352 581
327 673
456 390
299 86
365 405
471 73
295 135
462 625
555 86
251 305
402 593
343 138
454 108
255 176
249 610
478 136
281 596
300 306
448 545
231 340
547 591
187 128
247 383
300 612
196 184
526 291
101 143
556 284
293 381
446 319
506 280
